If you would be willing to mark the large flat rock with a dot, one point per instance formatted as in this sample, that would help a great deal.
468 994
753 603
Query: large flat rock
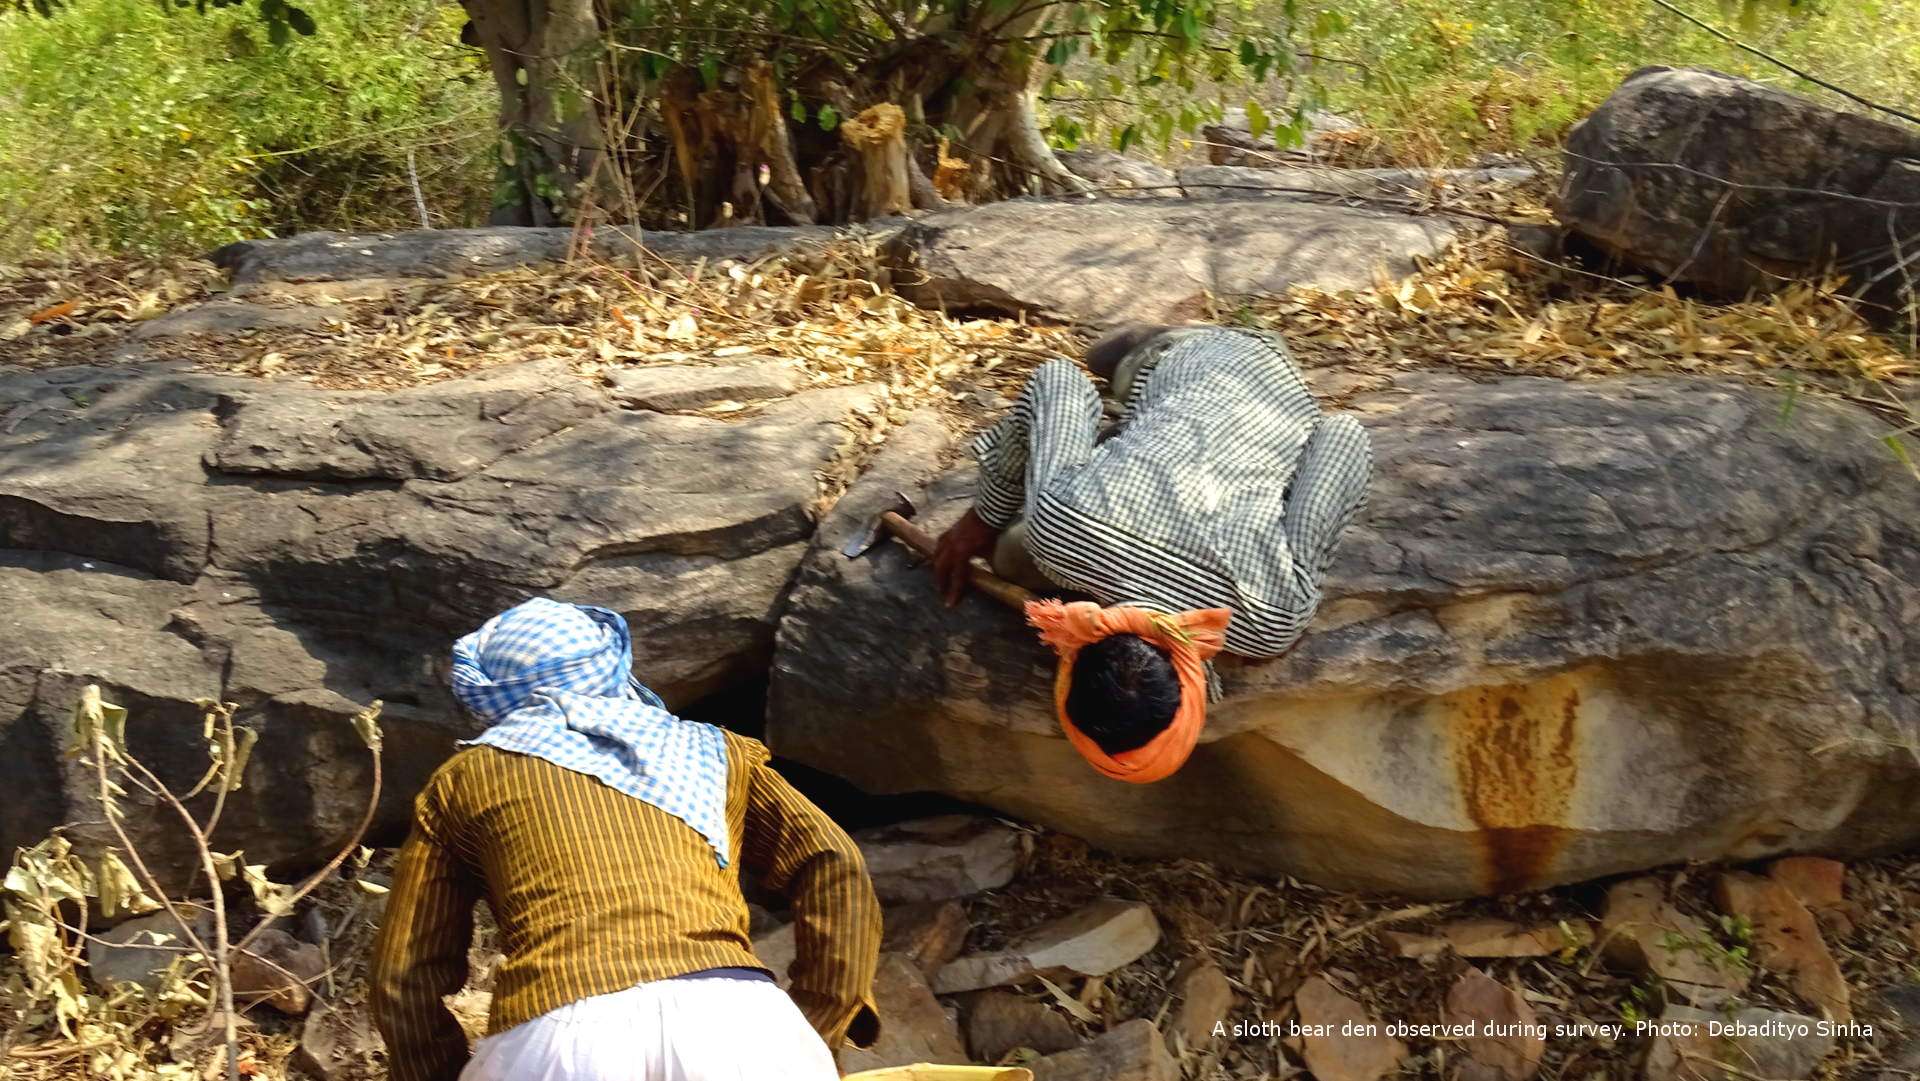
175 536
1150 259
1581 629
458 253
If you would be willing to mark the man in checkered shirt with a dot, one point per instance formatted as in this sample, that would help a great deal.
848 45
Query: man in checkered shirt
1221 485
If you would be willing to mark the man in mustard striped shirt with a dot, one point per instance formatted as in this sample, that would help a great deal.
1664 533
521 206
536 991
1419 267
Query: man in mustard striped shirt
607 837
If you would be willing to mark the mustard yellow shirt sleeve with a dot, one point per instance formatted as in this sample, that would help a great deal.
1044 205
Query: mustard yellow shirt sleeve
421 954
795 849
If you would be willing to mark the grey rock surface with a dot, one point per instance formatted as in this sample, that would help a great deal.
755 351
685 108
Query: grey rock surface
454 253
1580 629
936 859
1718 180
174 536
142 949
1116 174
668 388
1309 180
1121 260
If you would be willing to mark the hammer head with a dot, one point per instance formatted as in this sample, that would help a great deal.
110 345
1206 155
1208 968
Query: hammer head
875 529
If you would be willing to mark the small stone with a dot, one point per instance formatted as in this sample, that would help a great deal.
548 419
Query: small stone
278 970
1820 884
1092 941
937 859
1503 1047
140 950
999 1022
1787 940
1688 1049
1487 938
679 387
1644 933
914 1027
1203 998
1817 882
1128 1052
931 933
336 1045
1332 1055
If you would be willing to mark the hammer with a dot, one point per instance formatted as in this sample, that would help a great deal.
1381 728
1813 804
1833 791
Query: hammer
893 519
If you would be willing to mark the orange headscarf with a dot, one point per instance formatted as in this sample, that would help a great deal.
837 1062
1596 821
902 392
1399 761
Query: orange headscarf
1190 639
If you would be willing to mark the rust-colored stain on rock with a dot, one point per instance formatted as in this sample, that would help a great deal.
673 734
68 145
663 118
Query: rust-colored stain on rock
1513 759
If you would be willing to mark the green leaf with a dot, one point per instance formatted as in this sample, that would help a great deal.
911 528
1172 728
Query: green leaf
1128 136
301 22
710 71
1899 448
1257 120
829 118
798 111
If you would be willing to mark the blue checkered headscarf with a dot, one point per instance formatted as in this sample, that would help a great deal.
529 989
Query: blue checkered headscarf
556 681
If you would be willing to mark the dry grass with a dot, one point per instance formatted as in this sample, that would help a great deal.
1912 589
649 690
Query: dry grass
1489 307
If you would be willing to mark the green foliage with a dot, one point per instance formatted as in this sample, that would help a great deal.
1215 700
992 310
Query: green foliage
1442 79
133 126
1439 81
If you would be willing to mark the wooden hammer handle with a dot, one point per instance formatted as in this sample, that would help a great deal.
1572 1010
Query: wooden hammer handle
1013 596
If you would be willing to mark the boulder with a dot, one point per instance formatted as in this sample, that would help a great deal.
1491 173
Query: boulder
460 253
1388 184
175 536
1738 187
1148 259
1580 629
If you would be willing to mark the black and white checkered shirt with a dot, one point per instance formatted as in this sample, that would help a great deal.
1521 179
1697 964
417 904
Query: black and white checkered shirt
1223 487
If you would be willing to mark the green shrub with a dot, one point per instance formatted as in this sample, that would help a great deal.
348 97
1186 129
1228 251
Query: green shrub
132 127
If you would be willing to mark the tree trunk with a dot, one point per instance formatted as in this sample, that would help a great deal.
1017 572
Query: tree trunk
721 149
543 54
878 137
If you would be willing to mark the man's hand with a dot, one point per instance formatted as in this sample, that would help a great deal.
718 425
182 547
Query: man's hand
953 555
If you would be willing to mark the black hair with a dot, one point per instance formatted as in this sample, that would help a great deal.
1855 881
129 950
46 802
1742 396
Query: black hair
1124 692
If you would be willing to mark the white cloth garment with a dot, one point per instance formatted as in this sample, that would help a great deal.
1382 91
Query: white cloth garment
669 1030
